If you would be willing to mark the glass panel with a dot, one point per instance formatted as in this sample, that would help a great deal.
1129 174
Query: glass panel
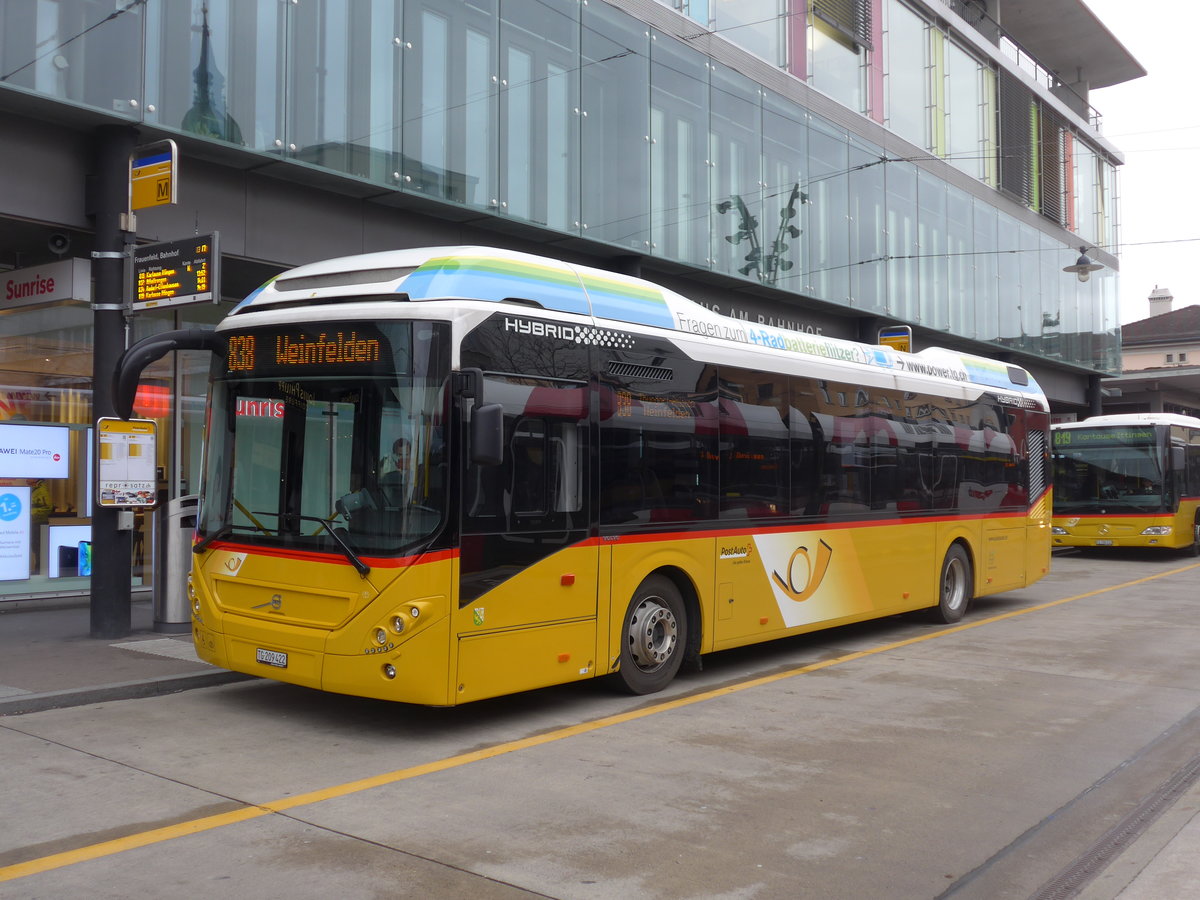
538 101
1049 310
987 271
342 86
615 139
902 244
826 227
76 50
904 77
215 68
868 224
755 25
835 65
785 154
1009 272
960 256
46 401
450 85
679 203
963 96
744 230
1086 192
1031 287
934 266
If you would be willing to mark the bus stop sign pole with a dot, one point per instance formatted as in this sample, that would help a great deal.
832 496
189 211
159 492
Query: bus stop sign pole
112 569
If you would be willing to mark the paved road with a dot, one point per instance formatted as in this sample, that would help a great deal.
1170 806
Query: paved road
1018 752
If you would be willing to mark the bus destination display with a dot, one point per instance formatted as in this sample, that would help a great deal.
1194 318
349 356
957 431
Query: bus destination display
308 350
176 272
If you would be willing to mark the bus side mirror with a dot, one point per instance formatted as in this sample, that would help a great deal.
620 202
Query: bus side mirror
487 434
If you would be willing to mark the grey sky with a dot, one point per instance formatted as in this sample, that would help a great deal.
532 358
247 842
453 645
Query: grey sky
1156 125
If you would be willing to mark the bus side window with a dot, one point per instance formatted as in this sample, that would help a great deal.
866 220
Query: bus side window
533 469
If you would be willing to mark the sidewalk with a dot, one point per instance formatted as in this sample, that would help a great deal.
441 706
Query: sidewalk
49 660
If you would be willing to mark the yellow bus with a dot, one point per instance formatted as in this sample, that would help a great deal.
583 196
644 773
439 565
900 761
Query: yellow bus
445 474
1127 481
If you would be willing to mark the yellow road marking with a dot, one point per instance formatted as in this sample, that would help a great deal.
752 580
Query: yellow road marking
208 823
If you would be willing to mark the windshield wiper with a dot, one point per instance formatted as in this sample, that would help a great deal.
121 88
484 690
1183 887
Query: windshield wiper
224 531
362 568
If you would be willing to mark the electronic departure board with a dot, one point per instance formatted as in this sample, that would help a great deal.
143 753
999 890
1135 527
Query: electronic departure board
177 272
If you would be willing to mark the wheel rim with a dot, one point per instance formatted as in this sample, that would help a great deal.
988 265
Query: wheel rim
954 584
653 632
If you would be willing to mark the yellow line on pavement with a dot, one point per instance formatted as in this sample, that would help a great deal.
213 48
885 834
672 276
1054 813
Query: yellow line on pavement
208 823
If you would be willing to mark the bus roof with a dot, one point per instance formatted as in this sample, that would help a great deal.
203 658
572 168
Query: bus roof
497 275
1126 419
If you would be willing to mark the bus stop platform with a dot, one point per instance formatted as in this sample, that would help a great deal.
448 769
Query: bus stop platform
49 660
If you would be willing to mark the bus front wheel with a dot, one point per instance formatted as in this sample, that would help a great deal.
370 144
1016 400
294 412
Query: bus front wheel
653 637
954 591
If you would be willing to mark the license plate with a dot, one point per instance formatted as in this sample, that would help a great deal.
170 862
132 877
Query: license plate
271 658
1103 543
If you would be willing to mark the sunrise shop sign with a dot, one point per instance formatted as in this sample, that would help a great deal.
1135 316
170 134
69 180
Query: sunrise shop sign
69 279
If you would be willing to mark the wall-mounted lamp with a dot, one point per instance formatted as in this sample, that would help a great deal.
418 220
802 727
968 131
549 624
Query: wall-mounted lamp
1083 267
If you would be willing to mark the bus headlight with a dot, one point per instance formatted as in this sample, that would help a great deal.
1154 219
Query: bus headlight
1157 529
380 636
1054 529
398 624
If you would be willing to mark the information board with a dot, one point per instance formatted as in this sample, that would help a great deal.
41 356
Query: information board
127 457
177 272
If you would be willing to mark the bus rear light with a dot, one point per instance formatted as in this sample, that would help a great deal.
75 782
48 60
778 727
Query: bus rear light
1157 529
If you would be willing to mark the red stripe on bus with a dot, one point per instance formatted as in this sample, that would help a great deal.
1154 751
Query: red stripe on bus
375 562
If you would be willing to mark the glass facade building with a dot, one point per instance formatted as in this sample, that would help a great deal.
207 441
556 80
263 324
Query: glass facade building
882 160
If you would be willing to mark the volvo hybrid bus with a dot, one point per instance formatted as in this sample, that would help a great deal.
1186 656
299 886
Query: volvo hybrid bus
1127 481
446 474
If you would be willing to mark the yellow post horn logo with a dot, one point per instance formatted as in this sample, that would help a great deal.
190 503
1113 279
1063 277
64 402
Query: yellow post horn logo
816 572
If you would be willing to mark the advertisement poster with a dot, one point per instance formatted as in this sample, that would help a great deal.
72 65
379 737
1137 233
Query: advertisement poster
14 533
34 451
127 457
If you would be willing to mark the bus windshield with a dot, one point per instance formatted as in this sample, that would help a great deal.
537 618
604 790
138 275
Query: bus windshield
1110 469
328 437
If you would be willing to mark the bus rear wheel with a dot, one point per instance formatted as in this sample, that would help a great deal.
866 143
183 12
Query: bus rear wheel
954 591
653 637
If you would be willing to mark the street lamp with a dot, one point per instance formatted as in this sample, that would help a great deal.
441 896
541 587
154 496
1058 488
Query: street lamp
1083 267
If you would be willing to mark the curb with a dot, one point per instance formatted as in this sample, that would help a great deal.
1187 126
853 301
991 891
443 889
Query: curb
124 690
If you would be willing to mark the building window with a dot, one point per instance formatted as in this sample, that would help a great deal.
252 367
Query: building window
1170 358
1183 357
